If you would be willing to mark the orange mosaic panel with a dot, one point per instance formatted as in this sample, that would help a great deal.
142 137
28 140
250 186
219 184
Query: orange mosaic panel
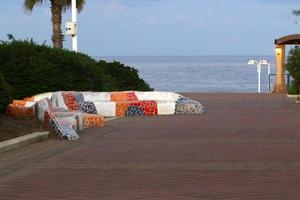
19 111
70 101
119 96
19 102
121 108
124 96
91 120
29 98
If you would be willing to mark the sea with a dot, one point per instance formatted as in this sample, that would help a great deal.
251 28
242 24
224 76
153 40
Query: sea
207 74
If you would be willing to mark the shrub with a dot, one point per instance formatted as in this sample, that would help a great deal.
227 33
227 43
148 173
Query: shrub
5 94
293 90
31 69
124 77
293 66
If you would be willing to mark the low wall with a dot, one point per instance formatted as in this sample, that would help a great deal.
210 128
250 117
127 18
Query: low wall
68 112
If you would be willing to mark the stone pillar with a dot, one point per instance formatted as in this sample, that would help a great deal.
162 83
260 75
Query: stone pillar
280 86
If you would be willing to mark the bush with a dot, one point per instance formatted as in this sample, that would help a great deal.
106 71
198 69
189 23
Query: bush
293 90
5 94
123 77
293 66
31 69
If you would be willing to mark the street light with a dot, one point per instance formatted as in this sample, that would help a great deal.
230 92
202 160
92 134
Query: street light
74 19
253 62
265 62
259 64
71 27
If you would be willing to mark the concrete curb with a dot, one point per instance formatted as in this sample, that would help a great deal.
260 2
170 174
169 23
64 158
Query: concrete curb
107 119
294 96
23 141
31 138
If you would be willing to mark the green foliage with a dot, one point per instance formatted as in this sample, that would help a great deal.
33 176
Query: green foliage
10 37
124 77
66 4
293 90
57 8
5 94
296 12
293 66
30 69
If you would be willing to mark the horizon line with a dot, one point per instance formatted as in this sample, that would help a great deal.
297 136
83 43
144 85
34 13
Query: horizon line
179 55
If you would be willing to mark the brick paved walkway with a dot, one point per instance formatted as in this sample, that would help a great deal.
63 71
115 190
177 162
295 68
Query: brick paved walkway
246 146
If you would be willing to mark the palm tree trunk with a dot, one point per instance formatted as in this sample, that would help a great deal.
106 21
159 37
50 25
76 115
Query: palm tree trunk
57 37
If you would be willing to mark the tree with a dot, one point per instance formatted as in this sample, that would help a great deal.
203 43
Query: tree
57 8
296 12
293 66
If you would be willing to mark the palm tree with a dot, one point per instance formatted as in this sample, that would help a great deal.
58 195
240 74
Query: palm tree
296 12
57 8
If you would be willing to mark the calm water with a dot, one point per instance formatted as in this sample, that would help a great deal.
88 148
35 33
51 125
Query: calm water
198 73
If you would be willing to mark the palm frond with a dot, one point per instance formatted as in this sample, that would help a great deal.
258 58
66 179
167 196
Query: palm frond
296 12
29 4
67 4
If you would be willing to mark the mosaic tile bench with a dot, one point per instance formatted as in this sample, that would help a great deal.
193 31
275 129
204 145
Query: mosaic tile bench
66 113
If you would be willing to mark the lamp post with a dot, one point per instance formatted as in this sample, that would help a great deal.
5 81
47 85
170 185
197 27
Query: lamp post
71 27
258 65
253 62
265 62
74 20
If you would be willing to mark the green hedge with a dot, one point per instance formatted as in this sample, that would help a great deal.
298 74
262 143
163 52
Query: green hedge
123 77
293 66
30 69
5 93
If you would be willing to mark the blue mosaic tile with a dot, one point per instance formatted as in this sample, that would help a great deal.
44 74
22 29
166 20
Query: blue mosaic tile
134 111
185 105
79 97
87 107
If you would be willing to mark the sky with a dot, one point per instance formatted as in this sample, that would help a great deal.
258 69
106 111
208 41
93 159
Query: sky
162 27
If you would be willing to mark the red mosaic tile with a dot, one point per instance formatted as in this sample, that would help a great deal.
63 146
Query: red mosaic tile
70 101
149 107
131 96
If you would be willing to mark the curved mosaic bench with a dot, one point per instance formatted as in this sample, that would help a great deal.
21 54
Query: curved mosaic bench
66 113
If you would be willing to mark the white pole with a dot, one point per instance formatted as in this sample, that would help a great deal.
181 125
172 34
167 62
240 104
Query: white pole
74 19
269 72
258 72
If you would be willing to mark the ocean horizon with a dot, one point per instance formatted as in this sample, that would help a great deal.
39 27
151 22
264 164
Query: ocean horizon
199 73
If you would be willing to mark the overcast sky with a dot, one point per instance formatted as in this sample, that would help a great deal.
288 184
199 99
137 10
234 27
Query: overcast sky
162 27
